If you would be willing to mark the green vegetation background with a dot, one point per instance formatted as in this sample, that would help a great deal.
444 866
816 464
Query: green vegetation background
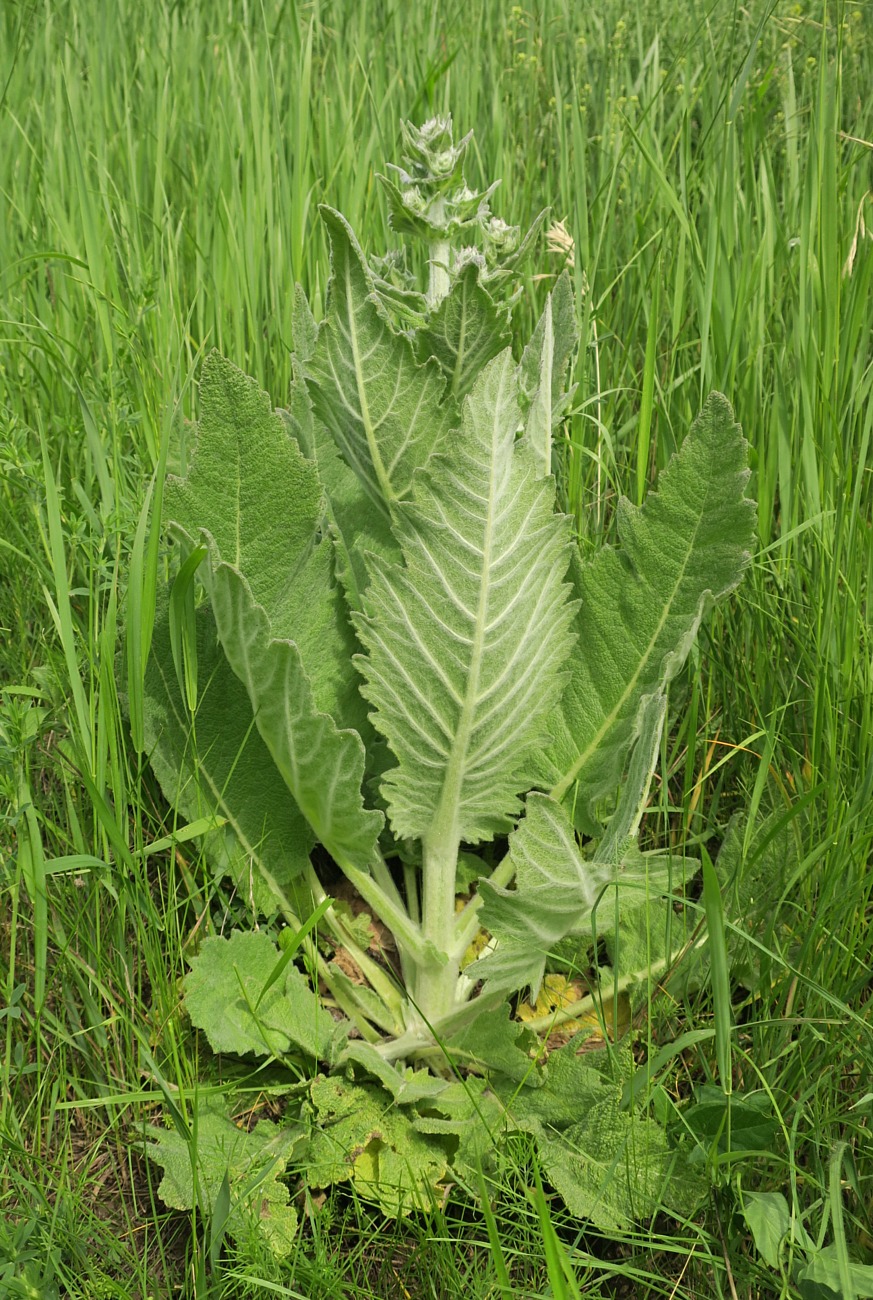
160 168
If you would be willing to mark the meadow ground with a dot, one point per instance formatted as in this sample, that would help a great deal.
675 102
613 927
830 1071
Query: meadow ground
160 170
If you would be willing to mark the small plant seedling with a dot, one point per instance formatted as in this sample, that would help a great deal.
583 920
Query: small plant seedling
399 656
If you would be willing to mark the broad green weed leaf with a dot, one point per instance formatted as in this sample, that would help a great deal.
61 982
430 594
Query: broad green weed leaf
642 604
614 1168
244 474
225 997
610 1165
304 330
360 1136
621 830
221 766
543 368
359 528
250 1162
464 333
499 1043
322 766
823 1270
470 1115
385 413
405 1085
571 1086
741 1122
555 890
250 488
466 643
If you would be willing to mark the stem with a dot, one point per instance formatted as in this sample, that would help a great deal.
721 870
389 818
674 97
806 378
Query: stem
385 881
435 988
356 1014
407 934
439 281
410 878
419 1039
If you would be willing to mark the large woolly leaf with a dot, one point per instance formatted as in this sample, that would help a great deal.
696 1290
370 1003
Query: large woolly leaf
252 490
465 332
363 1138
322 765
233 994
641 605
468 640
543 369
247 1165
219 765
609 1164
555 890
385 413
614 1167
358 526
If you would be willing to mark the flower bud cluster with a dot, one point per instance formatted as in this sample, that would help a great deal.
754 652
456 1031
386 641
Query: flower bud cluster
431 197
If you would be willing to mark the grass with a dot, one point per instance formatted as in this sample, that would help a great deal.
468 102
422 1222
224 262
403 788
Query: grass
160 170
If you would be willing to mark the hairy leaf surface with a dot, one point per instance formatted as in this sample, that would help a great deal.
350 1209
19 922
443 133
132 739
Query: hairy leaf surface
385 413
641 605
322 765
464 333
251 489
361 1137
221 766
249 1164
555 890
468 640
543 370
226 998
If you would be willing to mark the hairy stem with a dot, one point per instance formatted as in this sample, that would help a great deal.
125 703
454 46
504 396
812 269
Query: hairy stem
439 281
435 987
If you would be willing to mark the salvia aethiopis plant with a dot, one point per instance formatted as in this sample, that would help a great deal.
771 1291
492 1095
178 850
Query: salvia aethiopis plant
424 731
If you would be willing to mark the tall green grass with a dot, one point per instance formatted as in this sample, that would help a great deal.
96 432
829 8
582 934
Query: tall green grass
160 171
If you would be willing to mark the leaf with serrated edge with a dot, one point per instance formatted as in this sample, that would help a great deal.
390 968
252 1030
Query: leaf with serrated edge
384 411
265 842
468 1114
543 369
610 1165
641 606
363 1138
612 1168
556 890
464 333
467 643
252 1161
322 766
223 997
252 490
498 1042
554 894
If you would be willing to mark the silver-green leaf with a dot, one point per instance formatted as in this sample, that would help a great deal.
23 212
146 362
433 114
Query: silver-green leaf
217 764
385 413
322 765
467 642
465 332
641 605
